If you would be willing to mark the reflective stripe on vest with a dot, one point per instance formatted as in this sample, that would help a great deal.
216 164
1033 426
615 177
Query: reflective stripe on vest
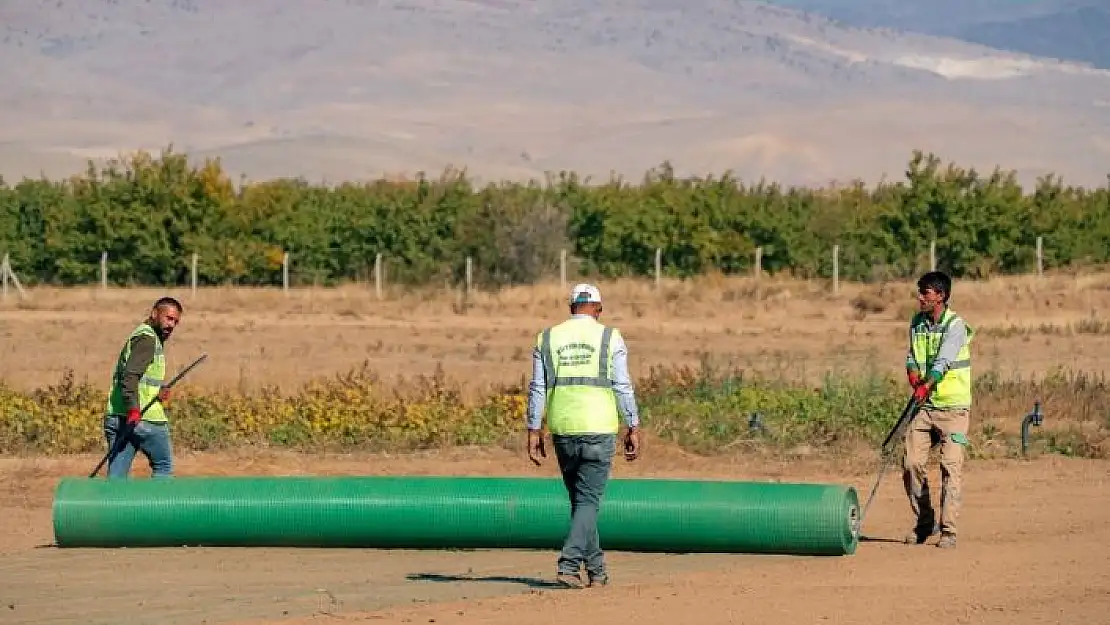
576 362
954 389
149 384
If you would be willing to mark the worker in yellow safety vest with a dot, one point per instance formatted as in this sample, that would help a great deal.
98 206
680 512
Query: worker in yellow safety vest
580 379
137 379
938 365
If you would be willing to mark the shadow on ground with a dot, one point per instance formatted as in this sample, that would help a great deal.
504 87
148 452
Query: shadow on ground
876 539
531 582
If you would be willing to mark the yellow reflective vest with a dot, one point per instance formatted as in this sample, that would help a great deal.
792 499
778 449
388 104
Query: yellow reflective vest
578 377
954 389
149 384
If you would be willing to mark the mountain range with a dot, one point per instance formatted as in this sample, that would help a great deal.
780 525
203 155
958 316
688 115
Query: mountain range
797 91
1073 30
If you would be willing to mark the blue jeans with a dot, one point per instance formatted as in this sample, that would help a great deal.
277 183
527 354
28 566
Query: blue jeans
585 462
152 439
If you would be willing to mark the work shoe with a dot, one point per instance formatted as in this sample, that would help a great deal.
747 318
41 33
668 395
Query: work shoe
599 579
569 580
947 541
919 535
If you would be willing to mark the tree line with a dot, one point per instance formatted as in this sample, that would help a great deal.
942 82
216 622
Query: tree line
152 213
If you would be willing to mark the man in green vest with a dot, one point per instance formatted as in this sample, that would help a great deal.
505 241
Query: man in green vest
938 365
580 379
136 380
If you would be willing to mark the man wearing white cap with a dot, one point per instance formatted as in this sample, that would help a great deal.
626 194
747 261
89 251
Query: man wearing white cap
580 378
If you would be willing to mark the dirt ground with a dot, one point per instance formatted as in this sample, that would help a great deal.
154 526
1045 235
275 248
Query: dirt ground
797 329
1035 538
1033 549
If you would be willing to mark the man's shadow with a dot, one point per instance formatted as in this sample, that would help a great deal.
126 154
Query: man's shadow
531 582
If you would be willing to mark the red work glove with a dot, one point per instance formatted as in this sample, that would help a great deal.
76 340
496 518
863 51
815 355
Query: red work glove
920 392
133 416
914 378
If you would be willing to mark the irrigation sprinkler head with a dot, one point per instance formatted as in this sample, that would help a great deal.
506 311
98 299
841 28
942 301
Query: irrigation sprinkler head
1035 418
755 423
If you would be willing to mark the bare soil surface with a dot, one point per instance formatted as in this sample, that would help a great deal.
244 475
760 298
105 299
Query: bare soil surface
1034 543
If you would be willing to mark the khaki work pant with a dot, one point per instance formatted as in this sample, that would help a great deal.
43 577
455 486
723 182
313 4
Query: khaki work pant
930 427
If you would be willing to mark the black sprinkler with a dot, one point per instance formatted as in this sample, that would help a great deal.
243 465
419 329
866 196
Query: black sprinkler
1033 418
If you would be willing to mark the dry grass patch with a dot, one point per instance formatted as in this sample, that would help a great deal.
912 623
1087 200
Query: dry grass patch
259 337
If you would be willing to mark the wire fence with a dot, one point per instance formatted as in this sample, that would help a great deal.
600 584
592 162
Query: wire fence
12 285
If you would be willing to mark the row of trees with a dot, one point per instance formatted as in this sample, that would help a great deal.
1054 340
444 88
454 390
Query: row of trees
151 214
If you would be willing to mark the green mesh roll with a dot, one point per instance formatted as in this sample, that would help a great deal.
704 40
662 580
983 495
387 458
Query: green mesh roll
453 512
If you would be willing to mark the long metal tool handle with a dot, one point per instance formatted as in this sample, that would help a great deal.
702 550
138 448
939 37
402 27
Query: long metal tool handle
886 452
125 430
904 419
883 466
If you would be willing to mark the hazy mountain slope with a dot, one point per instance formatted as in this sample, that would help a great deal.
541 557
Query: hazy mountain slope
1076 30
938 17
347 88
1081 34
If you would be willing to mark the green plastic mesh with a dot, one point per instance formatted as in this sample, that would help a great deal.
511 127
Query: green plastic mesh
648 515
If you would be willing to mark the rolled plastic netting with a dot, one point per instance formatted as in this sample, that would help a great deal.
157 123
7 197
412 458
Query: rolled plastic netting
659 515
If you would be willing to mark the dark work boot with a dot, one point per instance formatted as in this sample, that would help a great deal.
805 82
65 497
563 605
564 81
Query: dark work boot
920 534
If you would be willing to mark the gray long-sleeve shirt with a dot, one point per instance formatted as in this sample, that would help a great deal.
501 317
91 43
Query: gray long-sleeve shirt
622 385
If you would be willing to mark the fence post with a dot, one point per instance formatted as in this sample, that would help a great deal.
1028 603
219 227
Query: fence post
563 267
658 267
758 261
104 271
836 269
1040 257
378 275
10 277
469 276
933 255
285 272
193 274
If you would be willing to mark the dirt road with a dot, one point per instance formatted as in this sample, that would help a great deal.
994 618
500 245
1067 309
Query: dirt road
1034 549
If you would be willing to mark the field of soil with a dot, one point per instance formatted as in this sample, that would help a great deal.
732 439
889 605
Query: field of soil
1034 546
258 337
1035 534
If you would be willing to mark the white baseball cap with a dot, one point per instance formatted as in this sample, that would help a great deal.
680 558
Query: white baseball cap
585 294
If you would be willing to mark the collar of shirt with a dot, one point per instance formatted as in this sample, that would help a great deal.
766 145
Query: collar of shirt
933 325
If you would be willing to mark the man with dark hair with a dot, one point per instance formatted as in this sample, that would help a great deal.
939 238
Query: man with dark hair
938 365
580 378
136 380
